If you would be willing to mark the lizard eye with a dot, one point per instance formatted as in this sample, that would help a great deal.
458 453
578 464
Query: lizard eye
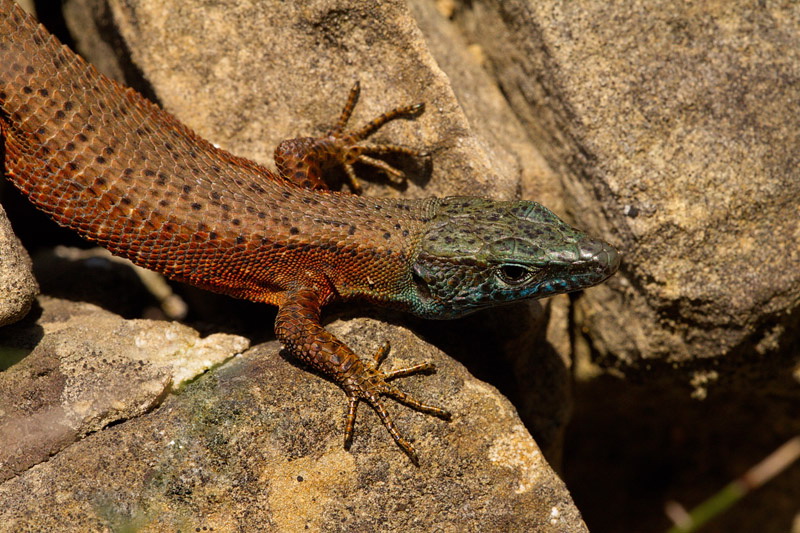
513 274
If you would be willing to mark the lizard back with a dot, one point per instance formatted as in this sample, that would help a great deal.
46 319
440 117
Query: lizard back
103 160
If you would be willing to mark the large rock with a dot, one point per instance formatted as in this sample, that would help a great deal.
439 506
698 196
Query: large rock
257 445
81 368
676 120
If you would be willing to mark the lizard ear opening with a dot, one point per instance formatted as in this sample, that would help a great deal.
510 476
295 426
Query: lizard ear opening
423 291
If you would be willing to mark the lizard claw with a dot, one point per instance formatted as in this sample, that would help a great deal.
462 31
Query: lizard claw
358 152
371 390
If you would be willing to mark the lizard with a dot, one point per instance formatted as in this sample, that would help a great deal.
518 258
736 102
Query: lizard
101 159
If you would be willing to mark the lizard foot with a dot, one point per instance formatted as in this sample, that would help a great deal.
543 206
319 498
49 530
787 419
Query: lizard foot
304 160
353 152
376 384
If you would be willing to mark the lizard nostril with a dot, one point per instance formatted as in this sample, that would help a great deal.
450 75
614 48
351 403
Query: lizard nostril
604 256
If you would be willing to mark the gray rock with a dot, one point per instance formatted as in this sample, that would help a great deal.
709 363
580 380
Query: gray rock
85 368
670 128
256 445
18 287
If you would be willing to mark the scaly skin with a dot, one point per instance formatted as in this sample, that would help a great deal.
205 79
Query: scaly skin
102 160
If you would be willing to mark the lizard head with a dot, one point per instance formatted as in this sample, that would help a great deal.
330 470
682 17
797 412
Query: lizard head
477 253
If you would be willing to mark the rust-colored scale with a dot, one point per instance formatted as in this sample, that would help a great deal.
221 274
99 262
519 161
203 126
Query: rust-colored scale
103 160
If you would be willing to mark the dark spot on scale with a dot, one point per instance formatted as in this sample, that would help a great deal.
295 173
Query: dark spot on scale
100 160
187 189
44 92
163 203
29 69
397 226
90 127
44 150
162 179
215 195
213 235
68 105
60 115
215 168
294 231
41 131
286 194
239 239
70 146
262 214
82 138
100 181
225 207
405 233
196 206
72 165
27 89
255 187
109 150
168 146
236 222
250 209
387 235
126 201
128 171
149 172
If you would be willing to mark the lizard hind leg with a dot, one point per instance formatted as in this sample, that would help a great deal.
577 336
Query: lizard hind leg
304 160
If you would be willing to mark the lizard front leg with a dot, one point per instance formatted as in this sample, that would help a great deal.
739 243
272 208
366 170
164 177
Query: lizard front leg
298 327
303 160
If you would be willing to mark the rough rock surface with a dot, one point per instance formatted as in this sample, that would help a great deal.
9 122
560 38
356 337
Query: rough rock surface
72 369
674 118
18 287
256 445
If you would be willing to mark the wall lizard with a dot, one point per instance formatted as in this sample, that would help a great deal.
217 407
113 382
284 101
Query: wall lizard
101 159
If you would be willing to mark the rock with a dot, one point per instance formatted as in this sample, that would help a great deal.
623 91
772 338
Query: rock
84 369
18 287
670 129
289 75
256 444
